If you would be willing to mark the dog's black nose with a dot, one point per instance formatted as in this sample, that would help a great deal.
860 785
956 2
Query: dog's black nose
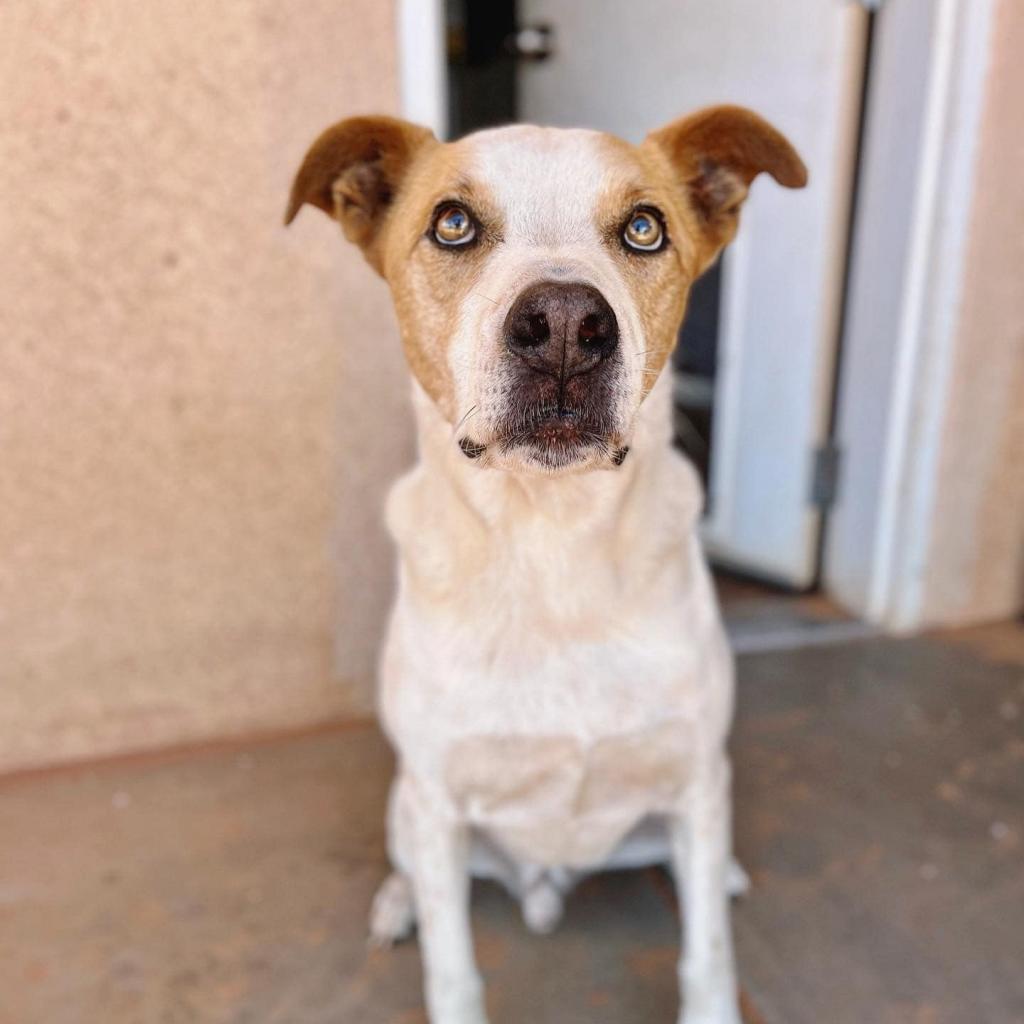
561 329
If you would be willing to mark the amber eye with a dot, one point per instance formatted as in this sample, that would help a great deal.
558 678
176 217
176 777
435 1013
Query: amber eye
643 231
454 226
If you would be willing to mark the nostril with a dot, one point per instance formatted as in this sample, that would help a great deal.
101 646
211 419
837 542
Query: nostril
561 328
596 335
531 331
592 327
537 328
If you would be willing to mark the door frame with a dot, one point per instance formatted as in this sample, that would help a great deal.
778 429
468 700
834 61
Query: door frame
423 63
925 106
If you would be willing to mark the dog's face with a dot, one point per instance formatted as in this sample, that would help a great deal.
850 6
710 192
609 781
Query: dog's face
540 275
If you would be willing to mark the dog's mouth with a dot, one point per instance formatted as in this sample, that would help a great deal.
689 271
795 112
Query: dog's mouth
552 438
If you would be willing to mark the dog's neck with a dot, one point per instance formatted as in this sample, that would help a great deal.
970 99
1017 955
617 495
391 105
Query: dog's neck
591 498
466 532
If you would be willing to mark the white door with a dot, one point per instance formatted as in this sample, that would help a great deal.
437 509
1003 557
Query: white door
628 66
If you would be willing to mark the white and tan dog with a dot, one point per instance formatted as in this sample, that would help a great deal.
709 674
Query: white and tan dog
556 681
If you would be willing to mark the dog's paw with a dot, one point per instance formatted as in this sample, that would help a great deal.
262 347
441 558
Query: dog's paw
393 915
456 1001
726 1017
727 1012
542 906
737 881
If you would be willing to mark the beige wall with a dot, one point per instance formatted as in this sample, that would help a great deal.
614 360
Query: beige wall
187 392
976 562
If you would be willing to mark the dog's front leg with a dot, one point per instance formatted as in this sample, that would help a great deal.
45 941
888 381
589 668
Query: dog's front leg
441 883
701 849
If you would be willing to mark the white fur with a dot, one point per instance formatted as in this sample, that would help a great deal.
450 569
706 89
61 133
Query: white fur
548 182
556 680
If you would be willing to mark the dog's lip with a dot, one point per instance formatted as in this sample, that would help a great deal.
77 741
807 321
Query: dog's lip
561 427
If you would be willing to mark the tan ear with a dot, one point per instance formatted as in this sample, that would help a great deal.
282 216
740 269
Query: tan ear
353 171
716 153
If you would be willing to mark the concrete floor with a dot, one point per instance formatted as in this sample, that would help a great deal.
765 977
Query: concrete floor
880 810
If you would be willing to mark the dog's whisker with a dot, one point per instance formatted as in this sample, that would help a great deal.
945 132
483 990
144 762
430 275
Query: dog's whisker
656 351
471 411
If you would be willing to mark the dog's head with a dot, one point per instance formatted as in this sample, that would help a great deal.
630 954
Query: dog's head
540 275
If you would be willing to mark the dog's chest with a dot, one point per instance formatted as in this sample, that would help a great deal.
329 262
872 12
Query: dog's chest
563 800
547 675
556 742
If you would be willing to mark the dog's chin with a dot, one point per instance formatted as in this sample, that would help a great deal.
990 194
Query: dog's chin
558 454
551 444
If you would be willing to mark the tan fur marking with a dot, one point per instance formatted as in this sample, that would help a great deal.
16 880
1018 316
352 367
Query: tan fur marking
659 284
353 172
430 284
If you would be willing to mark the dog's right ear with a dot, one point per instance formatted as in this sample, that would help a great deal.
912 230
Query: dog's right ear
354 171
715 154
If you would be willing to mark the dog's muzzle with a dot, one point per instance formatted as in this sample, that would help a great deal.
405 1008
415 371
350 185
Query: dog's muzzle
562 361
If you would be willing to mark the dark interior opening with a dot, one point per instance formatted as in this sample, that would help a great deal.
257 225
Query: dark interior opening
482 64
694 365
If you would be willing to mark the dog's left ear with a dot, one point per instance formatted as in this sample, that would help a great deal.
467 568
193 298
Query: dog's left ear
353 172
716 153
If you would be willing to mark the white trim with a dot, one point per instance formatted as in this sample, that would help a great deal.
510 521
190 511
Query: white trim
422 63
963 109
890 526
910 339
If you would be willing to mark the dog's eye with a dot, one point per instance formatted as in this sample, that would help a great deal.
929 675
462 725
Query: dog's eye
454 226
643 232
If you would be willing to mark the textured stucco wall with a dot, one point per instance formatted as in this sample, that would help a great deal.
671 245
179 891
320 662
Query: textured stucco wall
199 412
976 558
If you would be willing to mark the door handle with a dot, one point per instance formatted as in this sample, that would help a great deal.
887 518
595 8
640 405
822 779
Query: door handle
534 42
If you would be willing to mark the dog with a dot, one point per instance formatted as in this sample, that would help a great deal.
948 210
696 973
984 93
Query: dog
556 680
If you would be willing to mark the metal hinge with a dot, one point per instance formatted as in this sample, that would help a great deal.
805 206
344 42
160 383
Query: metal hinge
825 475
